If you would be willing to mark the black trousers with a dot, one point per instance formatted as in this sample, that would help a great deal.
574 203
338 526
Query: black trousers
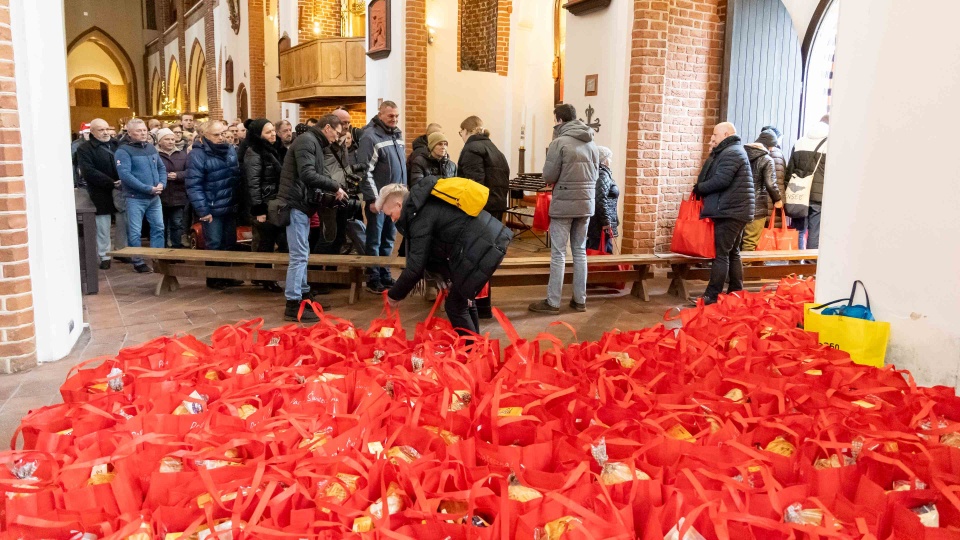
462 313
728 235
485 305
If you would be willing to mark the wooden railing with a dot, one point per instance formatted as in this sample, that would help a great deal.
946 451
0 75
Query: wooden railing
323 68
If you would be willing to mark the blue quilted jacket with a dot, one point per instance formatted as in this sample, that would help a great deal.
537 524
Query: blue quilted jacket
213 178
139 169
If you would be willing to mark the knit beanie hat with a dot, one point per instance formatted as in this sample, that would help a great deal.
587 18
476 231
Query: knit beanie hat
768 139
434 139
164 132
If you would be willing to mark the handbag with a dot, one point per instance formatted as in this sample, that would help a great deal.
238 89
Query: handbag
541 213
782 239
603 251
850 328
278 214
691 235
797 196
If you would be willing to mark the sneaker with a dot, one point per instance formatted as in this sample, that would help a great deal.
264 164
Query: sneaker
105 265
387 281
543 307
232 282
375 287
706 301
582 308
143 269
293 308
320 289
216 284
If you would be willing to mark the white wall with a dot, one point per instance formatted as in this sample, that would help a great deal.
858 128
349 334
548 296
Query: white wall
801 11
500 101
41 72
889 217
386 78
599 43
289 24
236 46
271 60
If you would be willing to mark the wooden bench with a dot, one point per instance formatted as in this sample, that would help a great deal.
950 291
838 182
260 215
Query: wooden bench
513 272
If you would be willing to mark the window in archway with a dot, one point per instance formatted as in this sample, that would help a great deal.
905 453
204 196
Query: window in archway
820 63
174 89
198 79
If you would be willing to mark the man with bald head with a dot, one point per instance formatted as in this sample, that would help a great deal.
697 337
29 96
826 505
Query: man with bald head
347 122
95 159
726 186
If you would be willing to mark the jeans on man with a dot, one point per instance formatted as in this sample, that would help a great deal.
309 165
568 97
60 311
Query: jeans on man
137 209
813 226
562 231
727 236
381 233
220 233
103 236
173 217
298 241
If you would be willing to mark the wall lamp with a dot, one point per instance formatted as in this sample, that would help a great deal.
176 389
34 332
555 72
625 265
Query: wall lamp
431 34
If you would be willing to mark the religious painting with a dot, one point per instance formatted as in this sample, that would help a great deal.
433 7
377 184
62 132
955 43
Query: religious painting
234 15
378 29
590 88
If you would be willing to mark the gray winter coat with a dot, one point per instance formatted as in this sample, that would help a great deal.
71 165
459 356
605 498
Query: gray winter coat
572 166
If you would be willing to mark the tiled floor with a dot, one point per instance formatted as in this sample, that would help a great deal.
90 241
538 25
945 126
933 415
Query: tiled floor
125 313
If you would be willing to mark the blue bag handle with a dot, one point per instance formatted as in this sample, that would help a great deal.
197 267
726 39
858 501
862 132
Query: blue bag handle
850 300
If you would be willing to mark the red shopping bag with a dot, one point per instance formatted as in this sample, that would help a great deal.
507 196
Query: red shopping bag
782 239
603 251
541 214
691 235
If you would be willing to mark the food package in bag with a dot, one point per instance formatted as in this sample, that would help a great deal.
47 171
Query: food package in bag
612 472
557 528
394 502
521 493
781 446
796 513
691 534
929 515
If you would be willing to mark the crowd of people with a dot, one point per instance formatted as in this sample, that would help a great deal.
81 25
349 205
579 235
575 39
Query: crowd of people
328 187
741 184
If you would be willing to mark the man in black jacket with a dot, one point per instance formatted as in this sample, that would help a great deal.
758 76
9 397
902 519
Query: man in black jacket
303 179
460 249
98 168
726 186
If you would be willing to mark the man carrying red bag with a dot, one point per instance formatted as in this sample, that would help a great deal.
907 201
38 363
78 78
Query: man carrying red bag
726 186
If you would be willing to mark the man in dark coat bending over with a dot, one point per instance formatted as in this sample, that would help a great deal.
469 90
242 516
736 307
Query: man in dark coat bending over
462 250
726 186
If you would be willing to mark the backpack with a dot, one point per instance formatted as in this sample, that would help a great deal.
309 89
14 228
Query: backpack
463 193
796 200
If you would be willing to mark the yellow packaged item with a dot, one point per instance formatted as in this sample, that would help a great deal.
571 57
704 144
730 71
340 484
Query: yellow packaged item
212 375
171 464
386 332
613 473
206 498
246 411
781 446
950 439
558 527
101 474
680 433
362 524
318 439
624 359
735 395
448 436
394 502
510 411
406 454
833 462
796 513
521 493
459 400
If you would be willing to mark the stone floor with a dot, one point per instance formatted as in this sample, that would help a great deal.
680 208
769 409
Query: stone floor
125 313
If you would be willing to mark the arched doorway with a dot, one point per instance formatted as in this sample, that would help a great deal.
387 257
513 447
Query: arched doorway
174 88
102 77
198 78
819 48
243 110
155 92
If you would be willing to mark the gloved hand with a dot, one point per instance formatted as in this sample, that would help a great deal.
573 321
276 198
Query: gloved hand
696 190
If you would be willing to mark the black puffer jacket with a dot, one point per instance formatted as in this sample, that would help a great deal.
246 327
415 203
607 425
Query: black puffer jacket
780 166
424 164
764 173
261 168
482 162
304 171
726 184
419 149
605 214
98 166
444 239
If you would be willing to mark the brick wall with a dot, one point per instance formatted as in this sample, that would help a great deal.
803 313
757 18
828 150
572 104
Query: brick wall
214 108
675 71
477 48
18 350
258 77
326 12
414 112
358 112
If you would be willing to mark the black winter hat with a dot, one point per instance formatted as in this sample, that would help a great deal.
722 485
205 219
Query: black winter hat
767 138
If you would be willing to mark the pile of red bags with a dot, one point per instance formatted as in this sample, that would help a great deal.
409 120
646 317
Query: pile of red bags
738 426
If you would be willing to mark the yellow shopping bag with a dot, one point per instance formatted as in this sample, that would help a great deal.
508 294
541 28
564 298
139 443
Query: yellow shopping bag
866 341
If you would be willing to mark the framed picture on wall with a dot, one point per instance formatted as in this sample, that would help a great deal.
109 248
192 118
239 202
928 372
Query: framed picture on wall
590 87
378 29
